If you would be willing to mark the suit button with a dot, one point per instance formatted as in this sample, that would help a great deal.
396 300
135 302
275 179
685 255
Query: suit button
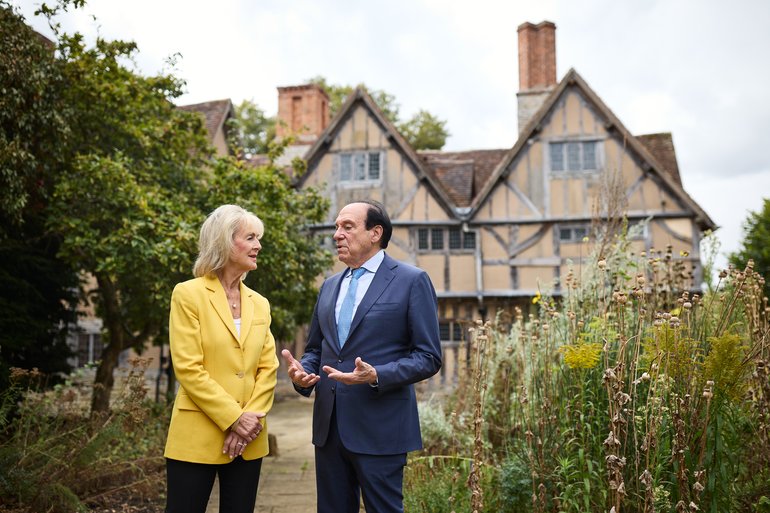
339 361
240 374
334 389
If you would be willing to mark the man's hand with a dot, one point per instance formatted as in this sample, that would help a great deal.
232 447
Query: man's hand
297 373
249 425
234 445
363 373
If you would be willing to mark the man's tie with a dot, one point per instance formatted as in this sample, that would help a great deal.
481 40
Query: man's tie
346 310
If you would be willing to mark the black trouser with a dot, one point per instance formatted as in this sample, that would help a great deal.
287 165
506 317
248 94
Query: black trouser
189 485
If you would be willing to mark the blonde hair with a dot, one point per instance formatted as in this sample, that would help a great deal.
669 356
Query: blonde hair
218 231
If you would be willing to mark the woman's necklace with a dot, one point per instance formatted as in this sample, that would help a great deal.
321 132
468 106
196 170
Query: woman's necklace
232 300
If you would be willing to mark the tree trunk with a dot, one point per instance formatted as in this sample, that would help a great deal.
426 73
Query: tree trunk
118 339
104 380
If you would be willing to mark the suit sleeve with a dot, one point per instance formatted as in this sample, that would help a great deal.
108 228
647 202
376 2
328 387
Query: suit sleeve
187 358
424 360
262 396
311 359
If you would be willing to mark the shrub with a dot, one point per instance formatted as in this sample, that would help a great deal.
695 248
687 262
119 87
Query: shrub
55 458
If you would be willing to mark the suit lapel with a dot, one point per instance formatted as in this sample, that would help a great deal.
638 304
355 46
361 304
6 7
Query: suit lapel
247 312
218 300
328 319
380 282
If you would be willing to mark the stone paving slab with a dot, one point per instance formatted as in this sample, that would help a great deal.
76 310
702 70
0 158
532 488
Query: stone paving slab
287 481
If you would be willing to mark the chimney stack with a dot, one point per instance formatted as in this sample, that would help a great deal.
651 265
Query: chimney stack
302 110
537 67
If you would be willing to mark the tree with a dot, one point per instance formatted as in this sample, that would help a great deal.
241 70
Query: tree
254 129
756 244
37 289
33 118
129 203
422 131
425 131
291 258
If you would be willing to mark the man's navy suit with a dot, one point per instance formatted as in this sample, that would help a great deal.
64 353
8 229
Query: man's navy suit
395 329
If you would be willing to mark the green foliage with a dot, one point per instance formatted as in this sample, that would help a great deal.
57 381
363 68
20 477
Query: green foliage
423 131
756 244
628 392
339 93
725 366
37 294
515 485
130 184
438 484
291 258
33 117
53 458
254 129
36 287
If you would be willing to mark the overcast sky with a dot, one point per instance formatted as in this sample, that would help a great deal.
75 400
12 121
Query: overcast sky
696 68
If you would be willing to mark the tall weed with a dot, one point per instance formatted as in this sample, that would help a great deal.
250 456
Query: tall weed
628 392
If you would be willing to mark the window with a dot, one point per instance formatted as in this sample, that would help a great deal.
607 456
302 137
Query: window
422 239
439 239
574 233
360 166
89 348
450 331
573 156
469 240
455 238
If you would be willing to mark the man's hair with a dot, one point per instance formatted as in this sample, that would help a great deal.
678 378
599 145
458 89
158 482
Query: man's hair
376 215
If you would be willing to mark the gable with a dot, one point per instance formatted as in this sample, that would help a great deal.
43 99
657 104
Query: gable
361 155
528 185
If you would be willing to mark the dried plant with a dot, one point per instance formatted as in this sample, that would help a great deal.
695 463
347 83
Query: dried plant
630 393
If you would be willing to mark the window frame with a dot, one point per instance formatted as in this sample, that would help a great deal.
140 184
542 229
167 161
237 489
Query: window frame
425 236
355 167
570 149
575 236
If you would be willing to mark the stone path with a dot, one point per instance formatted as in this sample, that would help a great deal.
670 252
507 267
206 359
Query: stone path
287 481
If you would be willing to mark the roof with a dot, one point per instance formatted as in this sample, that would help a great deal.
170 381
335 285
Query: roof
360 97
216 112
634 145
462 173
662 148
463 180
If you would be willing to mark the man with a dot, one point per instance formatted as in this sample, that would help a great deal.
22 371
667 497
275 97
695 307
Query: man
372 346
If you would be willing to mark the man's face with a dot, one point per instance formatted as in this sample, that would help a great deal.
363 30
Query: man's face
355 244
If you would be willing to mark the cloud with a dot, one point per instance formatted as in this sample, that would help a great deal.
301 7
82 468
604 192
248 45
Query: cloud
696 68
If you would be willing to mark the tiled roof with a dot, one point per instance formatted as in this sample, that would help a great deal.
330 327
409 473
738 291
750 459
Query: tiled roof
216 113
462 174
662 148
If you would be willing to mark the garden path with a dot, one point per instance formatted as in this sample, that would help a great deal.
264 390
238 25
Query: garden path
287 481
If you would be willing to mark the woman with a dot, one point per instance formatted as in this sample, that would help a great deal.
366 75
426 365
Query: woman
224 359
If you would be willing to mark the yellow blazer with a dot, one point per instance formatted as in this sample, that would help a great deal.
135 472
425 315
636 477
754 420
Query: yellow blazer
221 375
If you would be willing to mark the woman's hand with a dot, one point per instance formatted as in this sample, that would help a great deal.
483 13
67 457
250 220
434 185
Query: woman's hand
234 445
249 425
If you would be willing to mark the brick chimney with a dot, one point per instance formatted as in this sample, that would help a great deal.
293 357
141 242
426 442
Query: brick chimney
537 67
304 111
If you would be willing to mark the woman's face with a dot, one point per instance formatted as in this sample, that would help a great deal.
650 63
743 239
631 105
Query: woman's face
246 246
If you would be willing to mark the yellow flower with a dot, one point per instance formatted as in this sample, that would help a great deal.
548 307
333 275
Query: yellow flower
582 355
536 299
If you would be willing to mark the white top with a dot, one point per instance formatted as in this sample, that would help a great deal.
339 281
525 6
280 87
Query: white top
364 281
238 326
